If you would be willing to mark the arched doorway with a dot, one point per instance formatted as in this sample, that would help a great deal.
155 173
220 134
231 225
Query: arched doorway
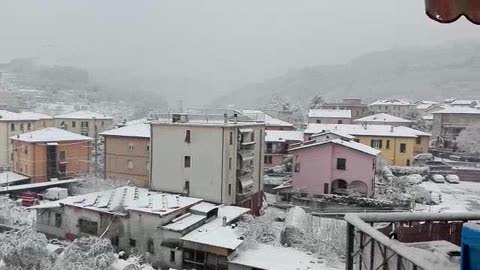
359 186
339 186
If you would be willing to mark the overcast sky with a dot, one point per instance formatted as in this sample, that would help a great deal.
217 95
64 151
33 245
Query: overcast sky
225 43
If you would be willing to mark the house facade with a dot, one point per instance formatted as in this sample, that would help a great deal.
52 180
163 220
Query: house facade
334 166
50 153
84 122
355 105
127 154
12 124
448 123
219 160
323 116
398 145
395 107
276 145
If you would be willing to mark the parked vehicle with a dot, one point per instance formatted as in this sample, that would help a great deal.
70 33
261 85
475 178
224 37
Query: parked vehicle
452 179
414 179
438 178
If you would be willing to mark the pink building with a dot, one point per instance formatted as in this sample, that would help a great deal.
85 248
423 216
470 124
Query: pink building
276 145
334 166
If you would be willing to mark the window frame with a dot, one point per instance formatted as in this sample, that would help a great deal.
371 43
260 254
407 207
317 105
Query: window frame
341 164
187 162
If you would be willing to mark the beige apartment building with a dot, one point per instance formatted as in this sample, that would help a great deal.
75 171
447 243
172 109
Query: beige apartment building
218 158
12 124
127 154
84 122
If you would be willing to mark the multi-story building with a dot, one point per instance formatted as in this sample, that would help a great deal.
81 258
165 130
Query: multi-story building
50 153
84 122
276 145
355 105
398 144
127 154
12 124
448 123
323 116
140 221
271 122
218 158
383 119
334 166
396 107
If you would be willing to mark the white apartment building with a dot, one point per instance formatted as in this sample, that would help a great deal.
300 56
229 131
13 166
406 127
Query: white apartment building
218 158
85 123
395 107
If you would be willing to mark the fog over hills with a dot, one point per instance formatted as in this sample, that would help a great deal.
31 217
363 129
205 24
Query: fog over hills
413 73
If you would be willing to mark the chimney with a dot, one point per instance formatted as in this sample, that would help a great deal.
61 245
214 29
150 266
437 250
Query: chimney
235 117
392 128
224 221
225 118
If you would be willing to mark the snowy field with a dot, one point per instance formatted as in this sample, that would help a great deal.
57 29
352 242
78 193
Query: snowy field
463 197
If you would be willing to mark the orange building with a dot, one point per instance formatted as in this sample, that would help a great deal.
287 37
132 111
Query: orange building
51 153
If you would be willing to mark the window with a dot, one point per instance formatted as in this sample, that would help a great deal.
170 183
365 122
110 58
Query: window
319 121
356 140
172 255
25 148
74 124
297 167
150 246
130 147
132 242
408 162
148 147
103 124
84 124
231 138
130 164
21 127
419 140
403 148
88 227
340 121
84 133
61 155
341 164
186 189
229 163
388 144
376 144
58 220
269 147
187 162
252 136
229 189
29 126
187 136
268 160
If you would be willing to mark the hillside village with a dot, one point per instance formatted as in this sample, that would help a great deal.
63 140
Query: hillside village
194 189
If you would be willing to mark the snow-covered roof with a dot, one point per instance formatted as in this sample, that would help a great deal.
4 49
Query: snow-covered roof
366 130
270 257
11 177
23 116
337 133
137 121
38 185
50 134
424 106
138 130
184 222
203 207
349 144
325 113
458 110
283 135
382 117
121 199
83 115
463 102
217 235
269 120
396 102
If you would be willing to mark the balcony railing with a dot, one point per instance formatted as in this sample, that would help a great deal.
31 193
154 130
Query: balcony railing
368 248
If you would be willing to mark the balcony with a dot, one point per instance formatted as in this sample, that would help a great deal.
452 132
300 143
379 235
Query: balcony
424 240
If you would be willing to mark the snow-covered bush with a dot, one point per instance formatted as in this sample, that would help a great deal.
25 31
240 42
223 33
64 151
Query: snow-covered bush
87 253
400 170
257 229
468 140
13 215
418 122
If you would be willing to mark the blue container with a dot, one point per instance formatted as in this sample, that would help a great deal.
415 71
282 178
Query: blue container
471 246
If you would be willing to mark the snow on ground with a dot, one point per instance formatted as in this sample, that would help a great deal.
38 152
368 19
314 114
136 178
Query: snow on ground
463 197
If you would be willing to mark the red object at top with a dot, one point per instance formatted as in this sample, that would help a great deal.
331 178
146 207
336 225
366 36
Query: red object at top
448 11
29 199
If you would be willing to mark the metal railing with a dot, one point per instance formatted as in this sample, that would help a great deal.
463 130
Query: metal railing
368 248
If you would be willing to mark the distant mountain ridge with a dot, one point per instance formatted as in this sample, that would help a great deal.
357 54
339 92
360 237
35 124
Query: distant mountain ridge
413 73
